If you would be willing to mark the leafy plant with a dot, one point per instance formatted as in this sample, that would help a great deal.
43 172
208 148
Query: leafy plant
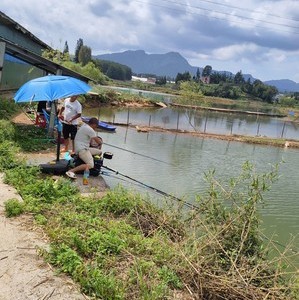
123 247
13 208
66 259
36 138
7 108
6 131
169 277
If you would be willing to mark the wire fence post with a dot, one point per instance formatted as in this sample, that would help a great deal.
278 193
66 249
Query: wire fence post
231 129
113 121
178 120
99 111
258 128
149 121
128 116
206 121
283 128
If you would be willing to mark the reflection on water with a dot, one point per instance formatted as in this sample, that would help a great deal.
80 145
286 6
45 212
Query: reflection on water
200 120
180 161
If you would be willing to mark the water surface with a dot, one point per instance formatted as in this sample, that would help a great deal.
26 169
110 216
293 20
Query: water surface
176 164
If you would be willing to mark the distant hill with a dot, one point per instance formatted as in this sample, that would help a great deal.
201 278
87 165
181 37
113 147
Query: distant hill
284 85
169 64
172 63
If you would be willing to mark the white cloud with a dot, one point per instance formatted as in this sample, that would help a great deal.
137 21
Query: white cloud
234 52
251 35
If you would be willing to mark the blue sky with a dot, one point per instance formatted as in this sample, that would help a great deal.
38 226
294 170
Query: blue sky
258 37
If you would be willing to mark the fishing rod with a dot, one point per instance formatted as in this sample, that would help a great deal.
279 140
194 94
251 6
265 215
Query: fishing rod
192 206
130 151
153 189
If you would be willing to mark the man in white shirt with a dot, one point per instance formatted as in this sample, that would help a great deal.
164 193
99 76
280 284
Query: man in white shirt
85 136
70 114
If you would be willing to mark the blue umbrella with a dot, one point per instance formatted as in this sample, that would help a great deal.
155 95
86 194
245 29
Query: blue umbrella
50 88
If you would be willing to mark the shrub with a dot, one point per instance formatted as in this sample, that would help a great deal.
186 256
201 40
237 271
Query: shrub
13 208
7 131
7 108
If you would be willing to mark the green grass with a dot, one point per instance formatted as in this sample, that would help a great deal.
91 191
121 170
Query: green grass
37 138
13 208
121 246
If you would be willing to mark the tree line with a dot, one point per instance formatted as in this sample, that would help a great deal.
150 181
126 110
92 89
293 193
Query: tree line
211 83
83 62
222 84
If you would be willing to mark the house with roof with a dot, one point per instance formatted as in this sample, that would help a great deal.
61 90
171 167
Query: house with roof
21 56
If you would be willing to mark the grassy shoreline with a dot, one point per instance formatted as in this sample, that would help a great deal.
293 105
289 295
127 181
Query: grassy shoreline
106 98
275 142
121 246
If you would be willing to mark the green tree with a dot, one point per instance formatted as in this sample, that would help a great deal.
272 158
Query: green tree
190 92
161 80
207 71
84 56
183 77
56 56
247 87
197 75
218 77
66 48
79 45
227 90
239 79
90 70
115 72
118 71
263 91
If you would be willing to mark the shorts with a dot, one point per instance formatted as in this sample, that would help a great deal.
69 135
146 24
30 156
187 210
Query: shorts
69 130
86 155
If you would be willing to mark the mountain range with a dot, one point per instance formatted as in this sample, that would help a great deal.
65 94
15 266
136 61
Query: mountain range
172 63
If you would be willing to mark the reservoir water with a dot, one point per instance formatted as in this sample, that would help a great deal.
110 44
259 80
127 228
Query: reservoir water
203 121
176 163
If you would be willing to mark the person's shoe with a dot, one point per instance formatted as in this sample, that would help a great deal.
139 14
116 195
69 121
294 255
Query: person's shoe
71 175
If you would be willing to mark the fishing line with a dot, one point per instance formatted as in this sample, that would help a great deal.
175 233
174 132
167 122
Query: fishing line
133 152
121 179
294 250
154 189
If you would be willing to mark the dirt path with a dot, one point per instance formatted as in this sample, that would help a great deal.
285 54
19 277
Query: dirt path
23 274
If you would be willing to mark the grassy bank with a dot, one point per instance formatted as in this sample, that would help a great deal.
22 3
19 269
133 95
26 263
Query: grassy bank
121 246
192 95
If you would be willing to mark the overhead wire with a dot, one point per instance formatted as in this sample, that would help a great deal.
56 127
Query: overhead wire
231 15
236 7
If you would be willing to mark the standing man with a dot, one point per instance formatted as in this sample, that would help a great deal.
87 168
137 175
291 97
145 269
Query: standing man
86 135
70 114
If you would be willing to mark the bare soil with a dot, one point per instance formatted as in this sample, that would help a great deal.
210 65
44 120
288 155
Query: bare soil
23 273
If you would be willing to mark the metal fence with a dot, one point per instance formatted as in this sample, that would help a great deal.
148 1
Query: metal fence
209 122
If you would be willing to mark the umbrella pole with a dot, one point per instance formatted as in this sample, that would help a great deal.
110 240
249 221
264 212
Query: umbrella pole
59 129
58 145
53 114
